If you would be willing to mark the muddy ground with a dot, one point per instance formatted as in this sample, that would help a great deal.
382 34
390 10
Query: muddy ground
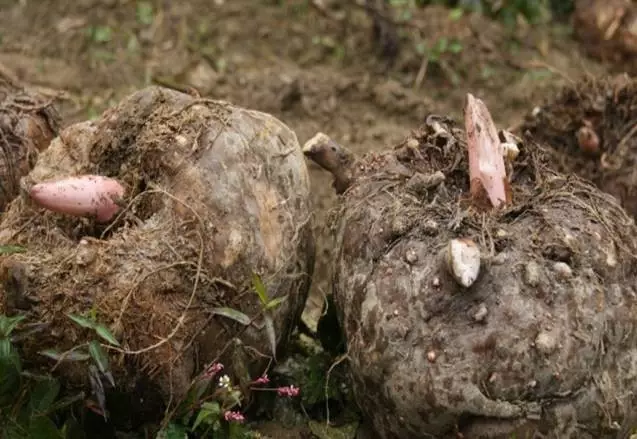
316 70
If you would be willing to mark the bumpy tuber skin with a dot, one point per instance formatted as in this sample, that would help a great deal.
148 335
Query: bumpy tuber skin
486 163
332 157
587 139
86 195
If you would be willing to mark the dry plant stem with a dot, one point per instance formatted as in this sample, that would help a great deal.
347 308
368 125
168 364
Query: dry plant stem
486 163
332 157
336 362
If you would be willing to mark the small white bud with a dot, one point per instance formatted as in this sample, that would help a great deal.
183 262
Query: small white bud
463 260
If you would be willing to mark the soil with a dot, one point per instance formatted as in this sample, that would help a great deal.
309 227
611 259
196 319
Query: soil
307 66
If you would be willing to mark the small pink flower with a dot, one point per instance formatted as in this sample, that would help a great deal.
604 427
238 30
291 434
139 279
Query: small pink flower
288 391
262 379
212 370
233 416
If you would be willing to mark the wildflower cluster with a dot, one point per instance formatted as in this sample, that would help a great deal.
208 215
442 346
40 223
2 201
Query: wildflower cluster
229 396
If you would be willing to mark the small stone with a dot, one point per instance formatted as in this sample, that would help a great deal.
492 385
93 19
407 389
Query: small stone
532 274
436 282
85 255
481 313
563 270
501 233
500 258
430 226
431 356
181 140
400 225
411 256
545 342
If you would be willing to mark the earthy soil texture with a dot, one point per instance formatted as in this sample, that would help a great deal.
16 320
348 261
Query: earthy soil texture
28 123
214 193
542 343
316 70
608 30
606 108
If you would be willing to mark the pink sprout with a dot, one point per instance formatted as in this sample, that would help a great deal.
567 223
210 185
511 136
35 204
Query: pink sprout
288 391
233 416
212 370
262 379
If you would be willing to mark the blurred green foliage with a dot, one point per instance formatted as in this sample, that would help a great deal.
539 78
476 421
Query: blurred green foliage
507 11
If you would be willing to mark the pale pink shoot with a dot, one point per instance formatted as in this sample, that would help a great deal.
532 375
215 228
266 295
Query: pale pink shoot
486 161
81 196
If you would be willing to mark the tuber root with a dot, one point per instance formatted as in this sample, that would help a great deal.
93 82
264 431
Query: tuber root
332 157
486 161
86 195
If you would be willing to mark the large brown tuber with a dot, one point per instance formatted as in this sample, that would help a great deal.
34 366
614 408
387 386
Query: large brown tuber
214 193
542 343
590 130
28 124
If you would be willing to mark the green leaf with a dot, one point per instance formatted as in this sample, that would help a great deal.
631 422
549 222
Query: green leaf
275 302
455 47
8 324
233 314
13 430
82 321
98 354
455 14
172 431
145 13
10 368
258 286
67 401
209 412
11 249
103 332
102 34
43 394
43 428
72 429
73 355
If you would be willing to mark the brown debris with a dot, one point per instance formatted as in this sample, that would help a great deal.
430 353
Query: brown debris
28 123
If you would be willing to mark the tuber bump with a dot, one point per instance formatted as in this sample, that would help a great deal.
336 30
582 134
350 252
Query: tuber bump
463 260
80 196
